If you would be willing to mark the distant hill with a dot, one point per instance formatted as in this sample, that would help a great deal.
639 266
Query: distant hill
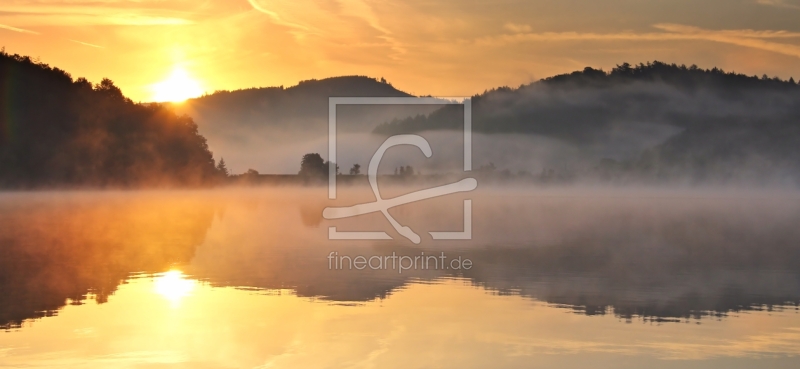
56 131
302 106
249 126
654 122
579 106
705 123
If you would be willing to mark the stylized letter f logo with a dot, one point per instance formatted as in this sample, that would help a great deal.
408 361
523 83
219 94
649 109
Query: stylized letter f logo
383 205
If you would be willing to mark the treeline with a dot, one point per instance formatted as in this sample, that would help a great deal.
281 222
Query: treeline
60 131
582 105
681 122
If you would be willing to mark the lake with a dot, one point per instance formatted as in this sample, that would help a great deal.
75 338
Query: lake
248 278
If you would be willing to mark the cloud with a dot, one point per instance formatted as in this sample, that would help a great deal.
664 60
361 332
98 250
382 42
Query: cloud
362 10
756 39
281 20
517 28
742 33
15 29
91 13
335 22
301 14
779 3
87 44
747 38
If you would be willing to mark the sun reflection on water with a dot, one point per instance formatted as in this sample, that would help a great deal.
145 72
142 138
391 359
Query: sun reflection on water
173 286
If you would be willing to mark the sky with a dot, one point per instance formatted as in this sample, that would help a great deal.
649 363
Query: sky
441 48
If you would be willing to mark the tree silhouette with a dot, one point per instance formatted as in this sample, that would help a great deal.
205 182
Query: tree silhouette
355 170
404 170
58 131
312 165
327 165
222 168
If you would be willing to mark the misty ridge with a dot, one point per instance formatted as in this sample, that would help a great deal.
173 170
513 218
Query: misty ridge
270 129
648 123
653 123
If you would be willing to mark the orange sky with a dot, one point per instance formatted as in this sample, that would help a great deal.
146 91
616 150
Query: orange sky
446 47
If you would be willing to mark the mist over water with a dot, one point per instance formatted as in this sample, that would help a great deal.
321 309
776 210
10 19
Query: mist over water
281 154
642 248
661 256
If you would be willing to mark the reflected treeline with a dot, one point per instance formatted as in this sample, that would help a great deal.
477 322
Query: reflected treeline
608 276
655 258
55 247
275 244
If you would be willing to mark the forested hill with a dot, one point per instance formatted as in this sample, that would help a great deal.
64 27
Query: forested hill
302 106
266 128
581 105
300 96
56 131
723 125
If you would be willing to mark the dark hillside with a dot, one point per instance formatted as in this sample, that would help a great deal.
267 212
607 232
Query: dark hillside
727 126
56 131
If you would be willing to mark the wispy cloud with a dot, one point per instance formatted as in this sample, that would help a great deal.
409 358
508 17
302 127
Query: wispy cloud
90 13
283 20
747 37
779 3
756 39
361 10
343 21
740 33
86 44
517 28
15 29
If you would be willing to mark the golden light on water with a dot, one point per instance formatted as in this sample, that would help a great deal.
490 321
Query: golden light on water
173 286
178 87
237 318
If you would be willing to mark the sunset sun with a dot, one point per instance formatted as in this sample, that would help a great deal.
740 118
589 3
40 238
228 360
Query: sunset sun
178 87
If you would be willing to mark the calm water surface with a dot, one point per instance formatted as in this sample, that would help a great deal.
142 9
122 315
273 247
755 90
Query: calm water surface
242 279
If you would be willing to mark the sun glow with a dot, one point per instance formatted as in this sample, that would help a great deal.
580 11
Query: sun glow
173 286
178 87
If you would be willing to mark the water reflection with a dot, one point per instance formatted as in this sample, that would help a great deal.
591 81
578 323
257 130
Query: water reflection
664 258
57 247
667 257
254 264
173 286
448 324
134 276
